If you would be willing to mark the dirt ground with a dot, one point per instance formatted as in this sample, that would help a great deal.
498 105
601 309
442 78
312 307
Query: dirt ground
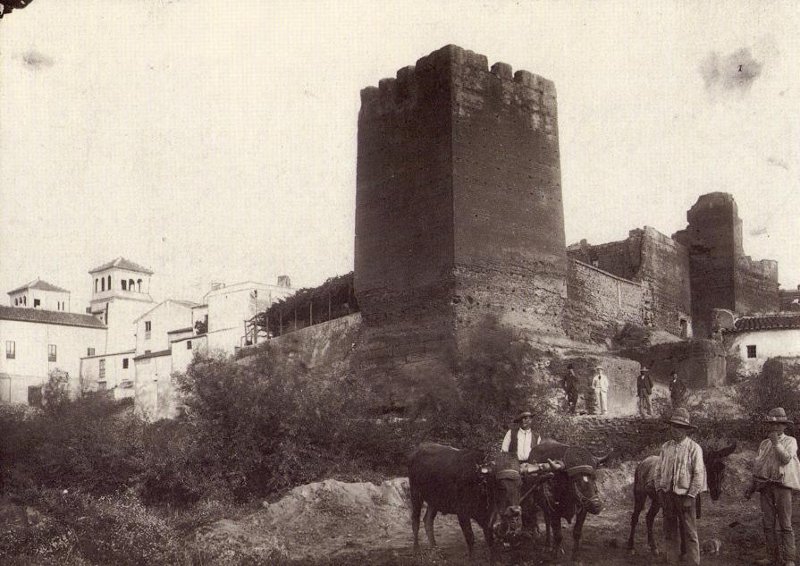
335 523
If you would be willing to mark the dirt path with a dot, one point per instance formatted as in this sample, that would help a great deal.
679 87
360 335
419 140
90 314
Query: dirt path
332 523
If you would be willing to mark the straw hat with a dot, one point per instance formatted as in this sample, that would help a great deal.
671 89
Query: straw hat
522 415
680 417
777 416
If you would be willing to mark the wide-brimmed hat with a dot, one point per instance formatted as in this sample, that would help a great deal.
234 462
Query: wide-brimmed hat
644 369
777 416
522 415
680 417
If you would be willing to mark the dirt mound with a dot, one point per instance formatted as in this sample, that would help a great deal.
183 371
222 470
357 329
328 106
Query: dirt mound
312 521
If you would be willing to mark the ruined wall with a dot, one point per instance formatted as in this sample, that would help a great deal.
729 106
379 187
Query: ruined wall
656 261
713 238
756 286
721 275
664 270
458 210
599 303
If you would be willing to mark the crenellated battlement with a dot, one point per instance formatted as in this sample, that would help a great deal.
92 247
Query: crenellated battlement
450 66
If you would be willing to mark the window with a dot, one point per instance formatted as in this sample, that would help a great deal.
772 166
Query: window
95 285
101 385
102 372
36 303
147 328
24 300
15 302
751 351
103 284
124 285
11 349
124 363
139 285
90 351
51 352
131 285
188 344
109 282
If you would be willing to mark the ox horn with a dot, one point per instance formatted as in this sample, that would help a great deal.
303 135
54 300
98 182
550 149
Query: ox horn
602 459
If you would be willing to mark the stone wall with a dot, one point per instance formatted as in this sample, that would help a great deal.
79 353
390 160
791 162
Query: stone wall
658 262
699 362
458 211
599 303
756 286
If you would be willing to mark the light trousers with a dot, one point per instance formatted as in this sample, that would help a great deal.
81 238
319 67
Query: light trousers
680 528
600 401
776 516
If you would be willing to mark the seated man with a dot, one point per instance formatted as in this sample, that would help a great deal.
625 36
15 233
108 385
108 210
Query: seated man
520 438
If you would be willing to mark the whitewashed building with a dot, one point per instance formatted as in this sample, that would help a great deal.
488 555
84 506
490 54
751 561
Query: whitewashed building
753 339
35 342
40 294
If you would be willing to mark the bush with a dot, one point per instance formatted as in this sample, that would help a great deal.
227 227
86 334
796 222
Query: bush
773 387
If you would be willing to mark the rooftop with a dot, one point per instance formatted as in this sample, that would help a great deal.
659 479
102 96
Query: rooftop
122 263
50 317
39 284
774 321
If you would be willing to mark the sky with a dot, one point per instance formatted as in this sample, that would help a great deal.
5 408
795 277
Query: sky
216 141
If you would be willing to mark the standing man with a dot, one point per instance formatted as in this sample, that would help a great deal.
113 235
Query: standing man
571 389
680 477
776 472
677 389
520 438
644 387
600 387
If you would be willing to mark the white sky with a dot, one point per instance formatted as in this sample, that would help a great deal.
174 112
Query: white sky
209 139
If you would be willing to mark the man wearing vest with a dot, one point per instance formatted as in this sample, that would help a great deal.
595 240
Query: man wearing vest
776 473
520 438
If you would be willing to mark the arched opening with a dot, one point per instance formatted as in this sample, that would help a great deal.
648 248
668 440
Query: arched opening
139 285
103 284
131 285
109 282
124 285
95 284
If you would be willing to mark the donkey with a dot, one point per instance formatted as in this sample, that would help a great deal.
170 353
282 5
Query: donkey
644 488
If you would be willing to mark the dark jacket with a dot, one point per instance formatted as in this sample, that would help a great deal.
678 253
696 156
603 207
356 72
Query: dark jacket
644 385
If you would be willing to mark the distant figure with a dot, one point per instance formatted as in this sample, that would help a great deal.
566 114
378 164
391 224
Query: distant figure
680 477
520 438
571 389
677 389
776 472
644 387
600 387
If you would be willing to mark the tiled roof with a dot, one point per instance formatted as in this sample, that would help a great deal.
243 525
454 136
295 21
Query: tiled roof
50 317
122 263
767 322
39 284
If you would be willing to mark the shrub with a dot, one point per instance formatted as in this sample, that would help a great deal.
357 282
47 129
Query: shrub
773 387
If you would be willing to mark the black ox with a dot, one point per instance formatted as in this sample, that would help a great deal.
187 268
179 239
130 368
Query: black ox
460 482
569 492
644 489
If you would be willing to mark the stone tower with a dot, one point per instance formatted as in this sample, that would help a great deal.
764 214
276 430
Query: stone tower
459 214
721 275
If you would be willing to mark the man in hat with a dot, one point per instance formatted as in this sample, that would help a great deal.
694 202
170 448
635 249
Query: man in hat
644 387
776 472
520 438
680 476
600 387
571 389
677 389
